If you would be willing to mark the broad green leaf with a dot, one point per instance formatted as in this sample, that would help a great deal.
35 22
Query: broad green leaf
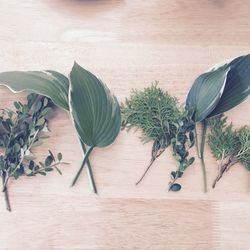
237 87
48 83
206 92
95 111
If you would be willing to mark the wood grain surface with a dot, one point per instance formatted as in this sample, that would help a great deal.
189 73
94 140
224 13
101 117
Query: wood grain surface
129 44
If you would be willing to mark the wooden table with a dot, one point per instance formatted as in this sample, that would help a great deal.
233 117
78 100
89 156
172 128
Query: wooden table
128 44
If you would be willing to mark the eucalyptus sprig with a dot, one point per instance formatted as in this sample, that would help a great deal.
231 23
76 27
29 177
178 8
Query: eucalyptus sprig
161 120
228 146
20 131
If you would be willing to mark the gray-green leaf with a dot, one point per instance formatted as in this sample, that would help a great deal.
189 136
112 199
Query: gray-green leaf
94 110
48 83
206 92
237 87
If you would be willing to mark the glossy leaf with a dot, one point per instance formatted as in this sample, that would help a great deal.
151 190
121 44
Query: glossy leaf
48 83
206 92
175 187
237 87
95 111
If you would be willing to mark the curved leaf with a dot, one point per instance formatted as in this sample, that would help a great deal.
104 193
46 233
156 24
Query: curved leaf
48 83
237 87
206 92
95 112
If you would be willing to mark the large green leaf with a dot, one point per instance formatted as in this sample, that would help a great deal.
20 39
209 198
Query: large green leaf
206 92
95 111
237 87
48 83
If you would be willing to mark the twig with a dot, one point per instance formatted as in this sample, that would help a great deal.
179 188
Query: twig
149 166
224 168
6 194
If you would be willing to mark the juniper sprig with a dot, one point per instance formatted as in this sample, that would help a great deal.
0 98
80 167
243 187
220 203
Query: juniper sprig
228 146
161 120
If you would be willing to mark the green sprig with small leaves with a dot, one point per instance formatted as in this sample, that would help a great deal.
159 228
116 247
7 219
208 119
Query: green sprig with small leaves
228 146
161 120
20 131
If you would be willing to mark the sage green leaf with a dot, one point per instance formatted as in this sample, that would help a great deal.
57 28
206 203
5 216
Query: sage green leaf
206 92
237 87
48 83
95 111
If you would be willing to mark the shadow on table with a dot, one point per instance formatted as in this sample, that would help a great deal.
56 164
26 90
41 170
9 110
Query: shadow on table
86 7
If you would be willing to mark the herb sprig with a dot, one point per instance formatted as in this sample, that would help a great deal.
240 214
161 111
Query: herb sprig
161 120
228 146
20 131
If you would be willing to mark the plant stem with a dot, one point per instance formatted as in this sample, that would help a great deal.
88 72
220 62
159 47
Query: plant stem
197 141
89 169
82 166
149 166
52 166
202 147
223 169
145 172
6 194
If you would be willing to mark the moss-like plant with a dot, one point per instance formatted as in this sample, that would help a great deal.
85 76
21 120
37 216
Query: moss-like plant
161 120
228 146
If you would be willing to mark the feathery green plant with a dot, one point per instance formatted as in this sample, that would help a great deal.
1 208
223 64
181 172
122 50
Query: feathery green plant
227 145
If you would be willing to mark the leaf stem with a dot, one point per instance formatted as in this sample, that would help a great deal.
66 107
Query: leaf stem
202 147
82 166
197 141
89 169
6 194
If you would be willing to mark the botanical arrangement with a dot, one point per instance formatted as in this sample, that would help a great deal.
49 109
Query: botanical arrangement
94 111
97 118
21 130
215 92
160 118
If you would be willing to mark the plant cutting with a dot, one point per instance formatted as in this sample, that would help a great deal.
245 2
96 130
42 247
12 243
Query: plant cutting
20 131
215 92
228 146
95 112
161 120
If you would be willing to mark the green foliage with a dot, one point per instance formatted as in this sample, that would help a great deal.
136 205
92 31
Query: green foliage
20 131
220 89
206 92
217 91
48 83
222 139
94 111
227 145
153 111
159 117
243 152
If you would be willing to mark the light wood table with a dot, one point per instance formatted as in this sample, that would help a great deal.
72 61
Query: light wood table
128 44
